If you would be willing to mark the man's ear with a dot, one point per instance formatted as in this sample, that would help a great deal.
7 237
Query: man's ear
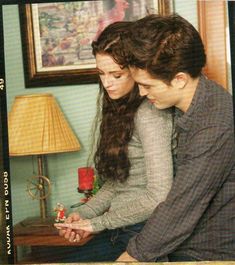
180 80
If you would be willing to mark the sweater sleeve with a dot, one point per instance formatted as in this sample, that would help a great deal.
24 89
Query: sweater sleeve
154 129
98 204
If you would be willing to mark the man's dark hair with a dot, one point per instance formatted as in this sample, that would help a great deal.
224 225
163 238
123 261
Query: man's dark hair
164 46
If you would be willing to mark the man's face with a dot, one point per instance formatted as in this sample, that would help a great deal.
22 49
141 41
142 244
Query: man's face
160 94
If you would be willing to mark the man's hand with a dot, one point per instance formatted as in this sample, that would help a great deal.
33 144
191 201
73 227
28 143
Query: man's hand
125 257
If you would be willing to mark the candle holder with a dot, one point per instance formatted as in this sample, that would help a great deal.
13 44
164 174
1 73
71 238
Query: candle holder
87 193
87 184
86 181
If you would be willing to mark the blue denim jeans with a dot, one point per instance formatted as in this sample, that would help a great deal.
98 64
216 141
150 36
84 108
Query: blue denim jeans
105 246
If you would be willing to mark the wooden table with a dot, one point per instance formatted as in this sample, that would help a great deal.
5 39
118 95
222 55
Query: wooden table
35 232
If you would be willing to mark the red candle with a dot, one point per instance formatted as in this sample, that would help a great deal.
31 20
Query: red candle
85 178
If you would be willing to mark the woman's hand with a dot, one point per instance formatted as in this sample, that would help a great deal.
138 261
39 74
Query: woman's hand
66 232
84 225
72 235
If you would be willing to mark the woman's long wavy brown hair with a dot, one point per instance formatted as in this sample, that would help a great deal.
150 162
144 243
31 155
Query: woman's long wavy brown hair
115 117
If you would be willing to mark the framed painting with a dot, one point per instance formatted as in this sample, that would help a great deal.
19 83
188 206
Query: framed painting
57 37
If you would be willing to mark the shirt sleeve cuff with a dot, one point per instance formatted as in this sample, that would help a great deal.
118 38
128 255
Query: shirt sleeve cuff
133 251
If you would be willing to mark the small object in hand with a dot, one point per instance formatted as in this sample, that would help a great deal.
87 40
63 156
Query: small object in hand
60 213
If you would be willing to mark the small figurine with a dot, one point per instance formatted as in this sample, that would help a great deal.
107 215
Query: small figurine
60 213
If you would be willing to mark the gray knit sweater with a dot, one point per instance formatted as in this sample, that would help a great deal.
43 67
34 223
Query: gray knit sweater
120 204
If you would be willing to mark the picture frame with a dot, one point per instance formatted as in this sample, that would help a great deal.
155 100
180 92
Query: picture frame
56 37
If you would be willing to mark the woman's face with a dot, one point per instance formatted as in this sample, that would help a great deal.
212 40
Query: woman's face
116 81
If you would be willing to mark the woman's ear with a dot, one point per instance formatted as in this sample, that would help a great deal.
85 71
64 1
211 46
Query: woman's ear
180 80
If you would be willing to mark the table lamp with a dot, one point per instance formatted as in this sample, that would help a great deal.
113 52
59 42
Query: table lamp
37 127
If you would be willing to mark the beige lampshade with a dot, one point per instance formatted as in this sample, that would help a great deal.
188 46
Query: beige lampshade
37 126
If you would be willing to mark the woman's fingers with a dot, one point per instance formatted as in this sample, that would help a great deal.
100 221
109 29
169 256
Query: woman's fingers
68 233
77 238
82 224
66 225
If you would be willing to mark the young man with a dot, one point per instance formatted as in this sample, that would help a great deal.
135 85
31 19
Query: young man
197 219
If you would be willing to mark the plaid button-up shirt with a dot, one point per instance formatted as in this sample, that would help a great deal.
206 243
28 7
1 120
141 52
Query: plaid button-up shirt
198 216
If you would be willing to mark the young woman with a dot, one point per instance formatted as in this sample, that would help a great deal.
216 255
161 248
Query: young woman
133 158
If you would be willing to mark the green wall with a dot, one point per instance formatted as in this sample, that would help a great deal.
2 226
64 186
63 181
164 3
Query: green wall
78 103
